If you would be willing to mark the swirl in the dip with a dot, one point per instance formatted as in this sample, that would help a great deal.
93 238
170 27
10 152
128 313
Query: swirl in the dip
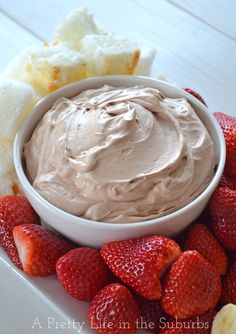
120 155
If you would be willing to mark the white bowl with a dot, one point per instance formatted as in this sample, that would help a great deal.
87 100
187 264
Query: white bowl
92 233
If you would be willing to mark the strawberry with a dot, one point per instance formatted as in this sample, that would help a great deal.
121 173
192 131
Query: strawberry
114 311
14 210
152 314
39 249
227 122
230 165
229 286
191 287
195 94
201 240
82 272
227 182
196 325
223 216
141 262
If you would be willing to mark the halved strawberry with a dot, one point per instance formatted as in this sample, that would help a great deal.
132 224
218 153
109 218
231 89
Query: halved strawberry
201 240
82 272
195 94
223 217
14 210
114 311
227 122
191 287
39 249
141 262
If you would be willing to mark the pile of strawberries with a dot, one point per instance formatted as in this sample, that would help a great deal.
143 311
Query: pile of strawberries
165 286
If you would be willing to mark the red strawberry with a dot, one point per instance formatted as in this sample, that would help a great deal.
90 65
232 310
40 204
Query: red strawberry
227 122
14 210
201 240
141 262
230 165
152 314
191 287
197 325
223 214
227 182
114 311
195 94
82 272
39 249
229 286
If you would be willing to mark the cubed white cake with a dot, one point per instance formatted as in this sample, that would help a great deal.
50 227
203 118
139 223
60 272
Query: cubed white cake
77 24
54 66
109 54
16 101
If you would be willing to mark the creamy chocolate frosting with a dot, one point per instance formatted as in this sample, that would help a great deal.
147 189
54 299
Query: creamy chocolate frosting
120 155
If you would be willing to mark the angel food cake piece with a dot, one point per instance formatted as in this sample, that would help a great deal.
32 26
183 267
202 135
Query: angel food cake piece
16 101
75 26
120 155
52 67
109 54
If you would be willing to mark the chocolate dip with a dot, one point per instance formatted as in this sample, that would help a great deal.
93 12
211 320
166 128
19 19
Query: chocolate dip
120 155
